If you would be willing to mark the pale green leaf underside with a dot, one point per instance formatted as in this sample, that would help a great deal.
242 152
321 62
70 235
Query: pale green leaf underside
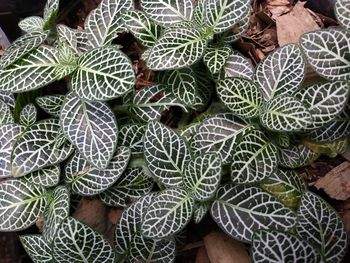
51 104
342 11
28 115
46 177
32 23
37 248
296 156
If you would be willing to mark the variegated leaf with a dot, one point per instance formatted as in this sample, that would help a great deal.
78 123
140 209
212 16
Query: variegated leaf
237 66
282 72
8 98
131 135
131 186
37 248
56 212
86 180
51 104
38 147
91 127
296 156
142 27
177 48
285 113
215 57
103 74
237 31
168 12
328 52
105 22
200 210
287 186
28 115
275 246
221 15
31 24
199 12
6 116
168 213
51 10
218 134
320 225
202 176
189 131
166 154
255 158
46 177
240 210
243 97
342 11
68 36
21 204
76 242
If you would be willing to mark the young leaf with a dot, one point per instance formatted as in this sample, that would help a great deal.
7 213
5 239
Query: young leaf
51 104
328 52
76 242
8 98
255 158
51 10
103 74
86 180
240 210
131 136
168 12
177 48
21 204
38 148
105 22
237 66
28 115
241 96
200 210
92 128
342 11
168 213
46 177
31 24
282 72
322 227
199 12
285 113
296 156
215 57
275 246
5 114
202 176
68 36
166 154
37 248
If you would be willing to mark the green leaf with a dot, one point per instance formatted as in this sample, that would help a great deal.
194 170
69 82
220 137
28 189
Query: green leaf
241 96
275 246
46 177
76 242
320 225
8 136
215 57
38 148
296 156
8 98
342 12
237 66
37 248
282 72
237 31
177 48
56 212
105 22
287 186
285 113
255 158
202 176
51 10
6 116
325 101
168 12
218 134
221 15
51 104
86 180
21 204
91 127
103 74
169 213
240 210
28 115
328 52
200 210
131 136
166 154
31 24
142 27
131 186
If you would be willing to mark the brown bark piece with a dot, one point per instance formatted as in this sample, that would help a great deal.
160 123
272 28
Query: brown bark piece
292 25
336 183
223 249
202 256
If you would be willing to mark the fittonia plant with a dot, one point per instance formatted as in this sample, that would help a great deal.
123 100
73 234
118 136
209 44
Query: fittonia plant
231 160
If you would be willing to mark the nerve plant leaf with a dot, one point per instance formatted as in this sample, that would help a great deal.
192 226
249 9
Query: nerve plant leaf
105 22
131 136
51 104
237 66
168 12
103 74
68 36
237 31
282 72
166 154
21 204
31 24
240 210
200 210
328 52
28 115
215 57
87 180
37 248
322 227
76 242
46 177
296 156
91 127
51 10
342 11
275 246
8 98
6 116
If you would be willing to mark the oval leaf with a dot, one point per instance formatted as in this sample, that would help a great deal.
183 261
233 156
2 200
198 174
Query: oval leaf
215 58
46 177
342 11
28 115
51 104
37 248
31 24
296 156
